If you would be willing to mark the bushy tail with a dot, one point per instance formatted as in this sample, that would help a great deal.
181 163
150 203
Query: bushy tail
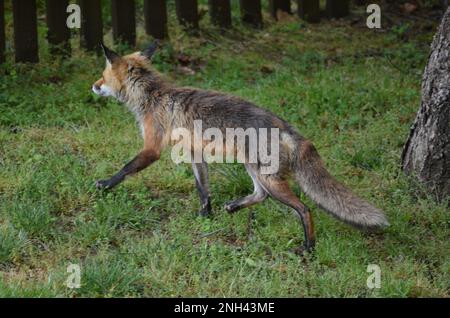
331 195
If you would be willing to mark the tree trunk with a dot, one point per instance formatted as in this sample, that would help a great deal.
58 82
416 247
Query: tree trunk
427 151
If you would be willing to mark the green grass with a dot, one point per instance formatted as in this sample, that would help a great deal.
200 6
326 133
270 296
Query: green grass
352 91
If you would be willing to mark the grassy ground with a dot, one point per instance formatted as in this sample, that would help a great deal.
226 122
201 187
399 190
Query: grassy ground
353 91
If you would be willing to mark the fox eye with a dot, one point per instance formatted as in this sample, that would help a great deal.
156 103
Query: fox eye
131 69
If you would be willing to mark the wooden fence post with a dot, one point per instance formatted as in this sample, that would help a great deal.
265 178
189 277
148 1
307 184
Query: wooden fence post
337 8
282 5
91 24
58 33
2 31
25 31
309 10
220 12
251 12
187 13
155 13
124 21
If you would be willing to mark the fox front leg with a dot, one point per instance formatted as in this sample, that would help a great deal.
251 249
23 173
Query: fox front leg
140 162
201 182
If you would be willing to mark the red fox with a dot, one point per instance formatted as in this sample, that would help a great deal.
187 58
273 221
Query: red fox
161 107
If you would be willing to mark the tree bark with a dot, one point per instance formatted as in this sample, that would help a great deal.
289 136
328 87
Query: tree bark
427 151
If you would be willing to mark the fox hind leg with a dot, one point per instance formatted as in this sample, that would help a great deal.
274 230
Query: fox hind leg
258 195
201 182
279 189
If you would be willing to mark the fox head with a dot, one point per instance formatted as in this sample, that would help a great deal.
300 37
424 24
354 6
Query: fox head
121 71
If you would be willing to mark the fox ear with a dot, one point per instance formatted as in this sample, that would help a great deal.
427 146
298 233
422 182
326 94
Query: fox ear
110 55
150 50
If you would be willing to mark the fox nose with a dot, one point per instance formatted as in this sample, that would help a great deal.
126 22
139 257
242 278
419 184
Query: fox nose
96 89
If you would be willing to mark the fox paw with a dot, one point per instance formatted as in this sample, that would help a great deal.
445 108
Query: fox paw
303 250
103 184
231 207
206 209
